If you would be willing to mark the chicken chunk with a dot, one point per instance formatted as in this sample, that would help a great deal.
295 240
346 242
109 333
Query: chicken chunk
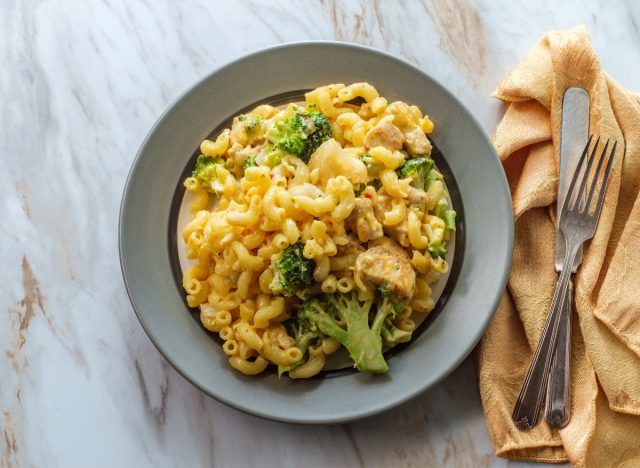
416 141
363 221
418 201
352 248
385 134
417 196
387 264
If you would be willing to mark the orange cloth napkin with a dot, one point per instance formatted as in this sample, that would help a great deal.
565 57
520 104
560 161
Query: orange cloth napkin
605 424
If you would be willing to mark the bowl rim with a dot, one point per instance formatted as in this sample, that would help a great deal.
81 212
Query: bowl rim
390 403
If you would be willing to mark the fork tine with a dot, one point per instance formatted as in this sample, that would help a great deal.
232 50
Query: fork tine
605 180
596 176
569 195
585 176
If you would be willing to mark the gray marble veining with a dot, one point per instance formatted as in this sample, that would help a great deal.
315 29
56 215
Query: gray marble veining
81 83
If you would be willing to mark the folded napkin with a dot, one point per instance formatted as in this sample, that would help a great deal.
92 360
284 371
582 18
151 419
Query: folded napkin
605 381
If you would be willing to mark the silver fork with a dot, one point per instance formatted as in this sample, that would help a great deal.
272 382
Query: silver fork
578 223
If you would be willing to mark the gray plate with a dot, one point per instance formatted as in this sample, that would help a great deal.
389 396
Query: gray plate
151 200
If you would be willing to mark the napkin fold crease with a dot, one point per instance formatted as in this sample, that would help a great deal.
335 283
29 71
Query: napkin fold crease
605 411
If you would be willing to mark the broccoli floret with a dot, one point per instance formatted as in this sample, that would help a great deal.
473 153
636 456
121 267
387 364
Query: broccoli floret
291 144
292 272
299 135
252 123
449 218
392 335
205 172
361 340
301 331
388 308
373 167
389 304
321 132
431 178
418 170
373 170
249 162
375 183
271 156
437 250
205 167
361 328
358 189
442 211
386 290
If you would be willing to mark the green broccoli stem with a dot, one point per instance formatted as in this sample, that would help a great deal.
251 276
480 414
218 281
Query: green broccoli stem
449 218
381 315
304 340
302 343
440 208
430 179
392 335
363 343
329 327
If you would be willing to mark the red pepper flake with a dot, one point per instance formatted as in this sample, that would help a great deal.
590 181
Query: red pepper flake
271 175
368 195
366 148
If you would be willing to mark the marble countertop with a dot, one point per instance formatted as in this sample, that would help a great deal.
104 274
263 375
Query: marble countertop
80 86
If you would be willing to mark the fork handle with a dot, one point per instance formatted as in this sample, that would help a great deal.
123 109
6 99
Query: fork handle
527 408
557 410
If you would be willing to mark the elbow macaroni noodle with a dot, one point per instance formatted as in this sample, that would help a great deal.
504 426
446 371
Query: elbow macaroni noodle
244 217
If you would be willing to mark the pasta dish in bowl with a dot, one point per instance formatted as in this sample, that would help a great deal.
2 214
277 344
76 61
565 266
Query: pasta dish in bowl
316 226
346 245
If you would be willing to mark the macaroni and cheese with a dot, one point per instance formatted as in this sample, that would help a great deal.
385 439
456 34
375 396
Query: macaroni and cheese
316 226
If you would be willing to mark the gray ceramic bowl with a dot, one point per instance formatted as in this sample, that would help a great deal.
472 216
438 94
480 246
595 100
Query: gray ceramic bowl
153 193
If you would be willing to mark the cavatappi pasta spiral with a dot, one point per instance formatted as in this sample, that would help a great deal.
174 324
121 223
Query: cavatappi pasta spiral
301 211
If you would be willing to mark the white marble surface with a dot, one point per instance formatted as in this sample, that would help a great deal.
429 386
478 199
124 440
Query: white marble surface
81 83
